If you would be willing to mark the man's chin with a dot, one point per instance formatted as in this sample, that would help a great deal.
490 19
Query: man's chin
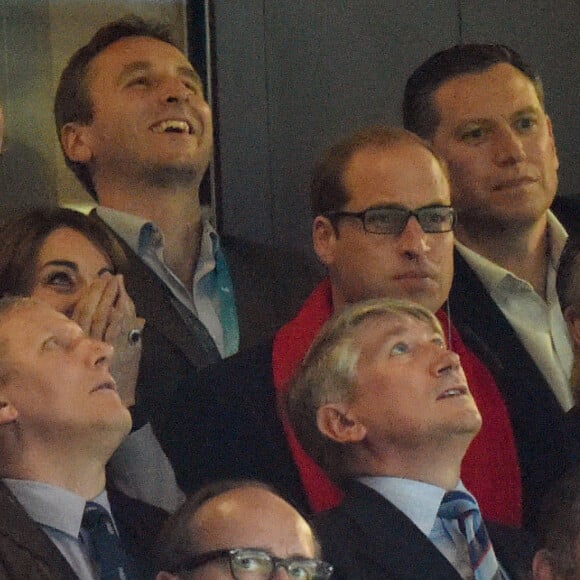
173 175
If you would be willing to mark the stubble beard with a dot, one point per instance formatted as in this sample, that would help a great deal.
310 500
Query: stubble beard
164 176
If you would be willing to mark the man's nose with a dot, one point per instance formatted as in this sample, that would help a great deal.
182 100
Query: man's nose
281 573
173 90
413 241
447 361
100 353
509 148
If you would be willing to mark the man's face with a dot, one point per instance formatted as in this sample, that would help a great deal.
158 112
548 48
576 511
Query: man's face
60 385
411 391
499 146
414 265
249 517
150 116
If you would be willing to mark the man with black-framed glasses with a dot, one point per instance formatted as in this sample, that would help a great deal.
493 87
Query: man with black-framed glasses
241 530
383 229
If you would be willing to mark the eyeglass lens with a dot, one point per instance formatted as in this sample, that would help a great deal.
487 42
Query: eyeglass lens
254 565
392 220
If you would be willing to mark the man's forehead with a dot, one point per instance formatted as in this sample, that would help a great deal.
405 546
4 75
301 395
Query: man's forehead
480 93
35 315
394 171
393 324
142 52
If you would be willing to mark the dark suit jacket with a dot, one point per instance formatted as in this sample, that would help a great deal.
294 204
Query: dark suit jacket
228 428
567 210
368 538
545 448
26 552
269 285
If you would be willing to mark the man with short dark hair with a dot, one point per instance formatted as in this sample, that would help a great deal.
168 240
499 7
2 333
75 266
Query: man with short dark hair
135 127
383 228
482 108
384 406
241 530
61 419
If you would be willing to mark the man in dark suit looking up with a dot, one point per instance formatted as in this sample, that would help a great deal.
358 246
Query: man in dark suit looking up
61 419
482 108
383 405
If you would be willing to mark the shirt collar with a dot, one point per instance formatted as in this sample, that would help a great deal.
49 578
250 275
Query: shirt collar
492 275
53 506
140 234
418 500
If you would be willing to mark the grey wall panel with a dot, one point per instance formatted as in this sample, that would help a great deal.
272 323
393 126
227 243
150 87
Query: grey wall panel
241 110
295 75
329 67
27 176
547 33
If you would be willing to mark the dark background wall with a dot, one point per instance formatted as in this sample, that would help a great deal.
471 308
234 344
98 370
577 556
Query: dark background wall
294 75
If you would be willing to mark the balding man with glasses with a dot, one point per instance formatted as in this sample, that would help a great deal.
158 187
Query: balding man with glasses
241 530
382 227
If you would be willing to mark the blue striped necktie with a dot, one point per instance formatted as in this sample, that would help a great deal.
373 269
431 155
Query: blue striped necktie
106 548
460 506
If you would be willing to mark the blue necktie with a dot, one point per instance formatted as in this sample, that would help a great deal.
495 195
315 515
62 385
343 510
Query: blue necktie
106 548
460 506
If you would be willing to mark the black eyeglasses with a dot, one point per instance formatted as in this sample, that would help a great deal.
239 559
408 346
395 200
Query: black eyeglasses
256 564
386 219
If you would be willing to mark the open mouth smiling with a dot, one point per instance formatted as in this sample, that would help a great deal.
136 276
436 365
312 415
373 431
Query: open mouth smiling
173 126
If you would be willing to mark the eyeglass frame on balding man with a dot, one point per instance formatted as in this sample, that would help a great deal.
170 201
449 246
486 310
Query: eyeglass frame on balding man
320 570
445 214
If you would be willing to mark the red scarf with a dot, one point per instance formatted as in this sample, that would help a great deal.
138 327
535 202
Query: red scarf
490 469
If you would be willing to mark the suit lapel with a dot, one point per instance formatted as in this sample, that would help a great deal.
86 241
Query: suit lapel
155 302
499 346
28 535
389 538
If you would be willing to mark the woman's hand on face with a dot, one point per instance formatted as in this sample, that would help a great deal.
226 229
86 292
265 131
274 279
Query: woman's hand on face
106 312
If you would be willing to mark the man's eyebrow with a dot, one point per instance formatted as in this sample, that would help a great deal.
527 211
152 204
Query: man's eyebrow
145 66
190 72
527 110
486 121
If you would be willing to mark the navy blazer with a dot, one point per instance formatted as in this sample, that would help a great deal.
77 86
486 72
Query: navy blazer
368 538
545 448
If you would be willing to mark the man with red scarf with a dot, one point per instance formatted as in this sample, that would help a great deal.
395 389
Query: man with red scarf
383 228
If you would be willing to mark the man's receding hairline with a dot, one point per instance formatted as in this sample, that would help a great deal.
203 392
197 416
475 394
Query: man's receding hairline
401 142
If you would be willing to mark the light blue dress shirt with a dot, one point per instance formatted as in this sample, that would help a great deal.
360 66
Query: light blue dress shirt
420 502
211 298
59 513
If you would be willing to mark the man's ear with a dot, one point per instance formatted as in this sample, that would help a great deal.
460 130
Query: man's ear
8 412
75 142
572 317
323 239
337 423
541 567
